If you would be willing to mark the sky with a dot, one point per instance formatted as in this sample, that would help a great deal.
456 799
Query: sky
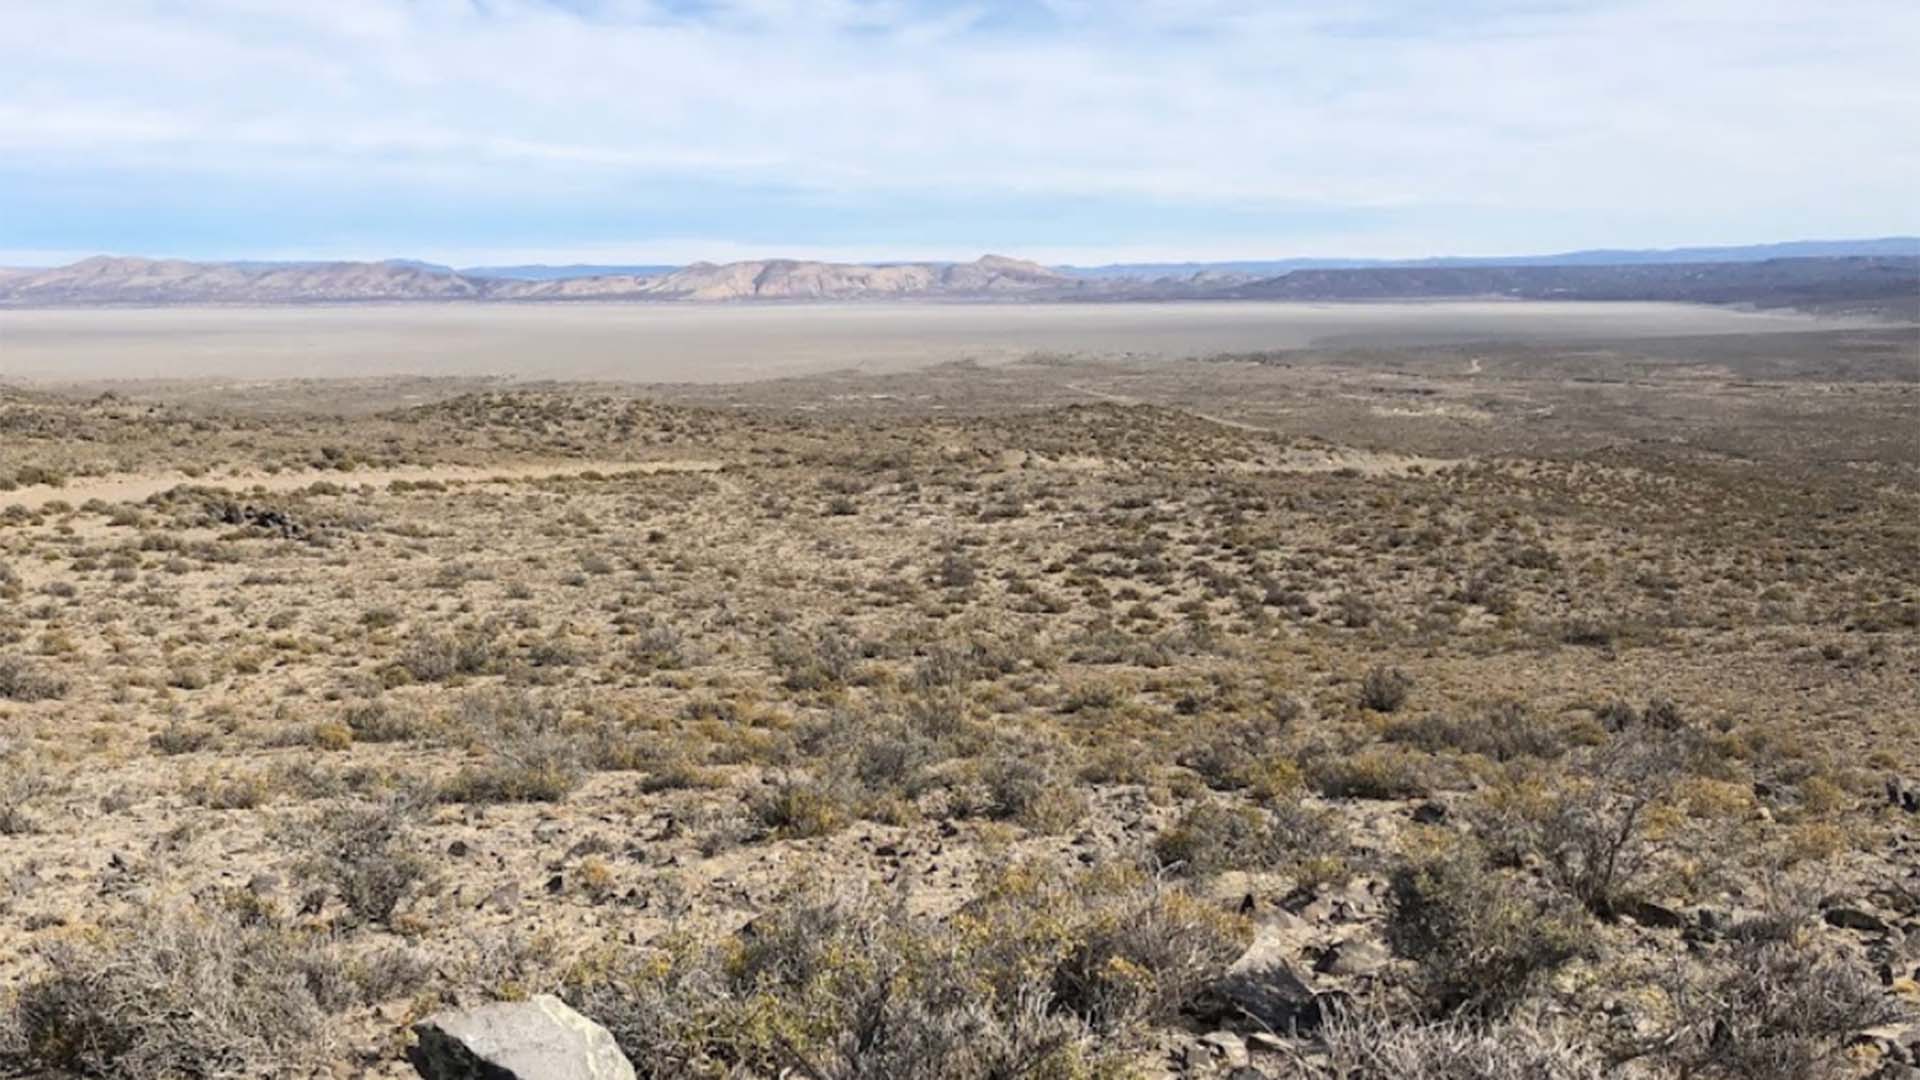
1070 131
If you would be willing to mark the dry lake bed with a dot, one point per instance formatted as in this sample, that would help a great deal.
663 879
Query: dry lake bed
733 343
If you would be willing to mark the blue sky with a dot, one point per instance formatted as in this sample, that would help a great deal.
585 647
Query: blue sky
473 131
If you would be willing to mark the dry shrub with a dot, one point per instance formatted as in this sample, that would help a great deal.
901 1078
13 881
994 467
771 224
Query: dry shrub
1025 790
23 680
1243 751
1480 940
1590 827
24 780
1031 979
382 721
528 755
1384 689
438 655
178 995
1212 837
1773 1008
364 854
827 660
803 808
1372 1045
1378 772
1504 731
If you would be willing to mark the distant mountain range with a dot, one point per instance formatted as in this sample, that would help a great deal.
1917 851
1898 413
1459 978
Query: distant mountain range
120 280
1886 285
1794 249
1884 280
1263 268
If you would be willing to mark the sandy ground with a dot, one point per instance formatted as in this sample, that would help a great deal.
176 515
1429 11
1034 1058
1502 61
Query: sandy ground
723 344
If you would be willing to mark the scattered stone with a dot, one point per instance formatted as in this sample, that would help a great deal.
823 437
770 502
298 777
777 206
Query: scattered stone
538 1039
1903 794
1268 1043
1226 1047
264 518
1354 958
1648 913
1854 919
1898 1039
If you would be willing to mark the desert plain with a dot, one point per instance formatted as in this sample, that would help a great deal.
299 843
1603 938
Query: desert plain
971 690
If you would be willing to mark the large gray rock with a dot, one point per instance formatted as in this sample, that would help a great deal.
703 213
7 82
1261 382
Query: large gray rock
1261 986
538 1039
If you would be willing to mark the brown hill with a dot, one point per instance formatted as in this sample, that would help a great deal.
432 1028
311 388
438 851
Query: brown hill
790 279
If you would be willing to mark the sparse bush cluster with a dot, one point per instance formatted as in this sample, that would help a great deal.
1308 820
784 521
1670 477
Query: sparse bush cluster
1026 980
1020 708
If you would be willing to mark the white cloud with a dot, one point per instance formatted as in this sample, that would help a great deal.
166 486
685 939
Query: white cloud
1706 110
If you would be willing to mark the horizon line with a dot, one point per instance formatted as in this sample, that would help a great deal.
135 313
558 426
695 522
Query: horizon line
595 260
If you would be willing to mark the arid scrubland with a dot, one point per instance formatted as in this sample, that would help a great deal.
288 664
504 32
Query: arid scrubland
1051 720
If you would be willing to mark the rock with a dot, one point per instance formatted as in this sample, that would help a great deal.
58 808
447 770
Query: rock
1904 795
1896 1041
1268 1043
1854 919
1353 958
1229 1048
1261 985
538 1039
1355 901
1648 913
